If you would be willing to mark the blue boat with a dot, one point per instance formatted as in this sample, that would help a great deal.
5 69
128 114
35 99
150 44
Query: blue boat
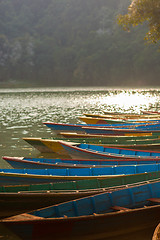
41 163
121 214
100 152
118 131
25 176
64 127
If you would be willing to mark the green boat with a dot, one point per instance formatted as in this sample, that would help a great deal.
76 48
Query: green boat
81 185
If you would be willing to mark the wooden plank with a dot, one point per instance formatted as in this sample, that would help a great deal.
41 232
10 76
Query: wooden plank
118 208
156 200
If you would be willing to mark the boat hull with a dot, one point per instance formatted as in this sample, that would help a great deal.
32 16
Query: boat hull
41 163
119 132
16 203
38 144
83 185
86 151
51 145
111 226
96 120
147 135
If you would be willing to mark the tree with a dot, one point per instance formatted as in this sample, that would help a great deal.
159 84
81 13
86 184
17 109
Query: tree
141 11
4 57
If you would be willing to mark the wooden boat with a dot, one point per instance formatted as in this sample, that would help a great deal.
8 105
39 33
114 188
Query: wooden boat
111 215
156 235
99 152
149 112
13 203
29 176
53 145
38 144
144 115
49 145
112 115
117 131
149 124
96 120
63 127
41 163
96 184
130 135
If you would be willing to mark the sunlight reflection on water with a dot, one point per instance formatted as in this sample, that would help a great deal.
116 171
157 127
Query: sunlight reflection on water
129 101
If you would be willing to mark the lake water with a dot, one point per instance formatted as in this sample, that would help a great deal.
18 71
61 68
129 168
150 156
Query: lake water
23 111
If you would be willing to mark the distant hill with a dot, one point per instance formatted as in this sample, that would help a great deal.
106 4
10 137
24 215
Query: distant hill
73 43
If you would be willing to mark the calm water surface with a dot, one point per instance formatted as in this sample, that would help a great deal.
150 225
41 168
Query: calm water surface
23 111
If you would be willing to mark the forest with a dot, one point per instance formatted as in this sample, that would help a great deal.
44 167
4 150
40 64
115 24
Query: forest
73 43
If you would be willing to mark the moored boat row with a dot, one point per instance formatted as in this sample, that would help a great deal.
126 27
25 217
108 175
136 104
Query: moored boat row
106 180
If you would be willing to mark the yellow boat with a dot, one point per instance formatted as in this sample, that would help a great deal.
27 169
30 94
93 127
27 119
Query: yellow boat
53 145
123 116
47 145
56 147
96 120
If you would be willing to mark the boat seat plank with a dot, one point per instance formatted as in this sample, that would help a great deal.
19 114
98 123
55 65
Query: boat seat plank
24 216
118 208
156 200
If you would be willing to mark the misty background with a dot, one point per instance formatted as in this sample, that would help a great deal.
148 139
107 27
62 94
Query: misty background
73 43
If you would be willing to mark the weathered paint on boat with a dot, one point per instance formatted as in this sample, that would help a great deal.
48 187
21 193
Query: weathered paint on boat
100 152
116 214
41 163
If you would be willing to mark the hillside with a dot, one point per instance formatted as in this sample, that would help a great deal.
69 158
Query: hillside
73 43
